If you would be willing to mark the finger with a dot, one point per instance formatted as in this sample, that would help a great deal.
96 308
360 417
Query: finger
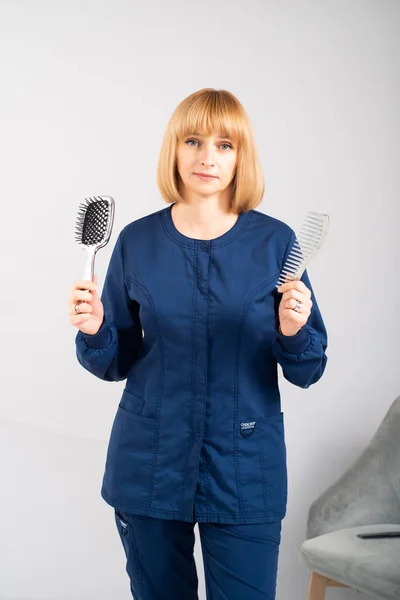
295 285
78 320
306 303
84 284
83 308
293 293
287 285
301 286
82 295
292 303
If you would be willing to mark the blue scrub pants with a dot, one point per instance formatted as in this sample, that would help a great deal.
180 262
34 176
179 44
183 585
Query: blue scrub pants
240 561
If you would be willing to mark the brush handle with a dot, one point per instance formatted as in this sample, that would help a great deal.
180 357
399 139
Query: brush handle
89 266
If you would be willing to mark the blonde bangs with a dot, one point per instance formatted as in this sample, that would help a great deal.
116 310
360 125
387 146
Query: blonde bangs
209 113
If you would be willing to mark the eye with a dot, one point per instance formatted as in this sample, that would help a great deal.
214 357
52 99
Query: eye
223 143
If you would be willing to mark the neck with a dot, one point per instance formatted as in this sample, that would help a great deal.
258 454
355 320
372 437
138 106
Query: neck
203 220
204 212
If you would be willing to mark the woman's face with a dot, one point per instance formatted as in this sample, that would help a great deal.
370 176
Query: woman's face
214 155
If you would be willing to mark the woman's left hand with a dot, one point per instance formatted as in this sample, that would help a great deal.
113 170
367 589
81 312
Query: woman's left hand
292 321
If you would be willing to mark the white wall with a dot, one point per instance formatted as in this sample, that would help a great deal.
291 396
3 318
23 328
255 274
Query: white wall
87 89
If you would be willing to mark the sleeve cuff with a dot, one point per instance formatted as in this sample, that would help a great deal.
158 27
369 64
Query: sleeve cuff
101 339
295 343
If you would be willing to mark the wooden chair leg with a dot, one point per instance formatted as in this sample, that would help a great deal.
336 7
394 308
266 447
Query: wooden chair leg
318 585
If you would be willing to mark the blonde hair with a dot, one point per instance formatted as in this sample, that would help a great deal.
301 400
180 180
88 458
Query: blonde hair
205 111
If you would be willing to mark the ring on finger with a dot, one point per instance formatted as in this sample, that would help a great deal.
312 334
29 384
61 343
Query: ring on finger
298 306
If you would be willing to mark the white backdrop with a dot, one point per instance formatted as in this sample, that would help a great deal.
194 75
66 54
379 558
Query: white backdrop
87 89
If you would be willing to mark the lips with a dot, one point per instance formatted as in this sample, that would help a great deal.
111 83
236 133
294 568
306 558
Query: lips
205 175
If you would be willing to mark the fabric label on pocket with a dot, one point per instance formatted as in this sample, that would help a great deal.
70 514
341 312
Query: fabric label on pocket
247 428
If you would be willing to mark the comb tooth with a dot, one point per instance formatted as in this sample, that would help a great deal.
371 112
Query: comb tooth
301 243
296 243
308 244
313 218
287 269
292 266
321 216
309 227
305 243
289 264
312 226
312 230
295 256
295 252
292 269
312 222
308 236
293 261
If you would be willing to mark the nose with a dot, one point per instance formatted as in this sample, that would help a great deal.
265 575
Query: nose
207 155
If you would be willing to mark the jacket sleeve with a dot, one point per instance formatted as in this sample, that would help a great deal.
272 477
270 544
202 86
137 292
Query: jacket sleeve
302 356
109 353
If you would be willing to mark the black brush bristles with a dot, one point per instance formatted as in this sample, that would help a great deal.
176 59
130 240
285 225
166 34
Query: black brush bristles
92 220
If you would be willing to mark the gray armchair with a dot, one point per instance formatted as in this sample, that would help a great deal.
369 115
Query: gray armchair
366 498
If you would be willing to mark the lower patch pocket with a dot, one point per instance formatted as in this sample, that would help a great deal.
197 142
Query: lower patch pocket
129 458
262 477
273 452
250 476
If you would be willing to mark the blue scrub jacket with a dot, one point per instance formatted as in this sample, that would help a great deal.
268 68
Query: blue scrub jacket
192 325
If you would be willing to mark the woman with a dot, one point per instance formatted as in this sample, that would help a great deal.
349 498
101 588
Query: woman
191 318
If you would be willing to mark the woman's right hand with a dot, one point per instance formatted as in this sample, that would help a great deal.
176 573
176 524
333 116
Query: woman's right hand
91 310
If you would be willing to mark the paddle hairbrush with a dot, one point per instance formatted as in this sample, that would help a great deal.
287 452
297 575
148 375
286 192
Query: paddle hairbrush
310 239
93 228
